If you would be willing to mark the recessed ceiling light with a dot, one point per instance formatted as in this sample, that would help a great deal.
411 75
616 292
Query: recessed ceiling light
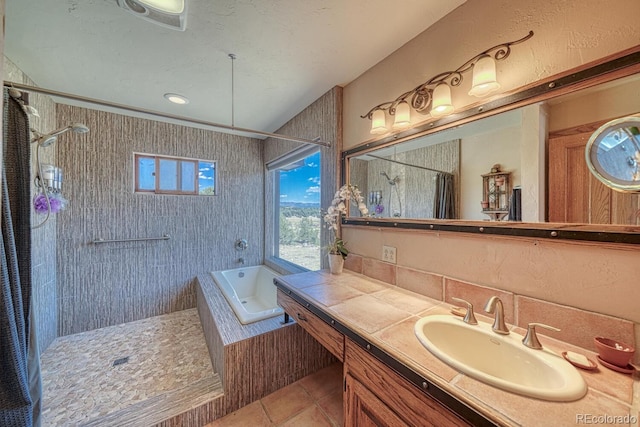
176 99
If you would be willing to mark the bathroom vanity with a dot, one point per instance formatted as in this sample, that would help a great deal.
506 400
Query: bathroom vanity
391 379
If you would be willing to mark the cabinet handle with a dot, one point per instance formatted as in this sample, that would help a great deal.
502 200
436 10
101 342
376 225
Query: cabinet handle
301 317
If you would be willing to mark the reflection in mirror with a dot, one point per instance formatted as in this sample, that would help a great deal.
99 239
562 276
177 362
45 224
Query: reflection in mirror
540 145
465 153
613 154
418 179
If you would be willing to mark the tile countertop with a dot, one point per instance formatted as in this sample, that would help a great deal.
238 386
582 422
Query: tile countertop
385 315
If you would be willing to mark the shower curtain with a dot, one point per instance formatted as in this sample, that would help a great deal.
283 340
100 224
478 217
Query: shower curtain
444 199
19 397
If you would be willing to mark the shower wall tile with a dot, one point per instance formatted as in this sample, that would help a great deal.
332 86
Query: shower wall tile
110 283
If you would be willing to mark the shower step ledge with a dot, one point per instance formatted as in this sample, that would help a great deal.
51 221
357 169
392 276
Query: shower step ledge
165 406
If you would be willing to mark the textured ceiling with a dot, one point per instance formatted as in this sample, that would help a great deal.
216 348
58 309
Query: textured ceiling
289 52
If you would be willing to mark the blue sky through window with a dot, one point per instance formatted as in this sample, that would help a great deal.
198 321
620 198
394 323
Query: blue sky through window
206 177
301 185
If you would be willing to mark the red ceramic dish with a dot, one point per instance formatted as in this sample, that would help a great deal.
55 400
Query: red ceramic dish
614 352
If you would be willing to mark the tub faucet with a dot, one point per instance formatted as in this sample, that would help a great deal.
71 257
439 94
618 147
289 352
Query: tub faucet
494 305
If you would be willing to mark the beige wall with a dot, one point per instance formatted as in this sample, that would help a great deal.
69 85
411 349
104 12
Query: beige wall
476 159
615 102
568 34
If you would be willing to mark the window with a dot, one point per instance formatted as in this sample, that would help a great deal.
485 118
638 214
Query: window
296 180
174 175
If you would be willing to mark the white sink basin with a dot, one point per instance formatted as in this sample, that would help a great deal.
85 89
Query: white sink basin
500 360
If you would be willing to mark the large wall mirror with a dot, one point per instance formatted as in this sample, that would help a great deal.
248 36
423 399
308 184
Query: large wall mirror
515 166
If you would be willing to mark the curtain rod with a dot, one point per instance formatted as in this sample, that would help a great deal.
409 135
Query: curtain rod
408 164
20 86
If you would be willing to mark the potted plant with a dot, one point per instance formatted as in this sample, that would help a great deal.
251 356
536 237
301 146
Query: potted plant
337 250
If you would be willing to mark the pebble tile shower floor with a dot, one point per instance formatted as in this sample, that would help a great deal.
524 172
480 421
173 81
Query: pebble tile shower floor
162 367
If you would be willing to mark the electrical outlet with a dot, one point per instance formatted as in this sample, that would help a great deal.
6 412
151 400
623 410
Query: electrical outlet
389 254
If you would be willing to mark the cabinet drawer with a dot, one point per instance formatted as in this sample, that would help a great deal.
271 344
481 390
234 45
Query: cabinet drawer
331 339
398 394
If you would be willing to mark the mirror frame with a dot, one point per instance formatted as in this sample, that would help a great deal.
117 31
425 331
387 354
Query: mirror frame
609 68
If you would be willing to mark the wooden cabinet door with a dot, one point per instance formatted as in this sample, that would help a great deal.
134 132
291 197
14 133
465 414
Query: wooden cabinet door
387 399
364 409
575 195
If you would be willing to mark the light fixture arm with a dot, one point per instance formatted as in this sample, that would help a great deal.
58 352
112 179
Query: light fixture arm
421 96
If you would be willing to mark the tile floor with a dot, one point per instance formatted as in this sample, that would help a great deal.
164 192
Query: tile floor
313 401
168 368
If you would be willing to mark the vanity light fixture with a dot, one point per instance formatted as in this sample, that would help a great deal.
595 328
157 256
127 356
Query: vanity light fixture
441 104
176 99
434 95
484 77
378 122
403 116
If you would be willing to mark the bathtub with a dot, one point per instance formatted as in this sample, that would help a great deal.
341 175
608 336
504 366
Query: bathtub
250 292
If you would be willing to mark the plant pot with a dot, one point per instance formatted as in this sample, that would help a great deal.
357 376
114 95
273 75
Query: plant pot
484 204
336 263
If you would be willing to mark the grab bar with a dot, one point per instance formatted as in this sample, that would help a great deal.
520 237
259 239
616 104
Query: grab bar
141 239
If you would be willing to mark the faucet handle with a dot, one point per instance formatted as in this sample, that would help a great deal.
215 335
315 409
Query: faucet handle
469 318
531 339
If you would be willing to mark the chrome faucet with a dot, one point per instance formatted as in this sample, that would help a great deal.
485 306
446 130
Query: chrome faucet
494 305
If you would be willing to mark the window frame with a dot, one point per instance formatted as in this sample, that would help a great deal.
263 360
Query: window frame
274 169
157 158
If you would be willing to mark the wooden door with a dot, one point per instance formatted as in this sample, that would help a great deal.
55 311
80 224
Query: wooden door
574 194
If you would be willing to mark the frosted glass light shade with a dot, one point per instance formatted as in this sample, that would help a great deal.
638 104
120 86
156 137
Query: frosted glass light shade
168 6
378 122
441 104
403 116
484 77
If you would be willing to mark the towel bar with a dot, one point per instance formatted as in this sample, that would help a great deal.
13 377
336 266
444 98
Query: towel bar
141 239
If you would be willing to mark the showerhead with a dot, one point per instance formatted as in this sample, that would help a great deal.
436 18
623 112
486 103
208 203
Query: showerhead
45 140
79 128
389 180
